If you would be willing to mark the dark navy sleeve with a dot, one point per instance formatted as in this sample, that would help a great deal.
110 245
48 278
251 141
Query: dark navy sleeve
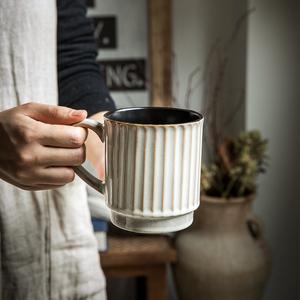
80 82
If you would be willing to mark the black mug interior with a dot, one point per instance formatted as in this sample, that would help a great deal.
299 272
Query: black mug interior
153 115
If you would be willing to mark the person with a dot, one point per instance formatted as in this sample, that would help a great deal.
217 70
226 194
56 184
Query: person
48 250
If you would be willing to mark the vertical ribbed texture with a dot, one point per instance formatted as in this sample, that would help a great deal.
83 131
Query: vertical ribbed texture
155 170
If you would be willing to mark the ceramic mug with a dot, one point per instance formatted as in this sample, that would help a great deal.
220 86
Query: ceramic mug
152 167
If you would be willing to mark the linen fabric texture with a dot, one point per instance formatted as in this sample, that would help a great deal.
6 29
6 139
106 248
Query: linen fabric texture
48 249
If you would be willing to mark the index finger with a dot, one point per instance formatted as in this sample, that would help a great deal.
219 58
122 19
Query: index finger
52 114
63 136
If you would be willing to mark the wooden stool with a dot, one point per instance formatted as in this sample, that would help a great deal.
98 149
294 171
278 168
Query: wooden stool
140 256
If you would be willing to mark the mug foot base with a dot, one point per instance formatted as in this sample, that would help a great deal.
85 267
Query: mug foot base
152 225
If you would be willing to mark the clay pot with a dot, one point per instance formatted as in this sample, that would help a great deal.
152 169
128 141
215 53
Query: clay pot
223 254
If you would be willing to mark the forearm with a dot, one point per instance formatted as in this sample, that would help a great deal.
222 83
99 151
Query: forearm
80 82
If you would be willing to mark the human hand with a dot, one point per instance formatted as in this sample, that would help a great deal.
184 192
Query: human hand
37 149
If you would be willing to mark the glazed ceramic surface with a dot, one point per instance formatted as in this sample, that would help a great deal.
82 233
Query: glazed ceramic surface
153 163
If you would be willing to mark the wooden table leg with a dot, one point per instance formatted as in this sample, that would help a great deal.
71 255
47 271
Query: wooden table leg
157 286
141 256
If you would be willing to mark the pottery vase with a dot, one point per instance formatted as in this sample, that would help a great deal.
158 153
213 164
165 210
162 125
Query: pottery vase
223 255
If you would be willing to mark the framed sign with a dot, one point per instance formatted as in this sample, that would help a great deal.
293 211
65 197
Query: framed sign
124 75
135 55
106 32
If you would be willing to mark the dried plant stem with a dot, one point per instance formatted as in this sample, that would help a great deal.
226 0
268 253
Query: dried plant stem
189 89
237 28
234 111
176 80
216 128
229 187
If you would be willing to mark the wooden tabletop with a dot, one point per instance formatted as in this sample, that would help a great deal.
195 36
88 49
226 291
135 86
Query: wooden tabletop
138 250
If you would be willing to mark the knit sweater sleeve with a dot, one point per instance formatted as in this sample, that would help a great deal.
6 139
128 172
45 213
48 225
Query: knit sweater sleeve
80 82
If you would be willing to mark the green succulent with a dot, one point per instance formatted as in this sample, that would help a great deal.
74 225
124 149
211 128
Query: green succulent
239 163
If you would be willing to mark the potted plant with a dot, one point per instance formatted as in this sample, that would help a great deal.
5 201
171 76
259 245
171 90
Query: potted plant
237 166
223 254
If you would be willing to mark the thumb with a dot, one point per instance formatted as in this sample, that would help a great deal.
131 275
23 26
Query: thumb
52 114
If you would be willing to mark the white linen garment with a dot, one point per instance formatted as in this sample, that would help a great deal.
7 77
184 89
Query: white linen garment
48 250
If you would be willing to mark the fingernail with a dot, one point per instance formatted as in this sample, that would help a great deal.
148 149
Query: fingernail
77 113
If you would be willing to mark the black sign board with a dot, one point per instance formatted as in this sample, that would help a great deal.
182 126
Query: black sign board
124 75
105 32
90 3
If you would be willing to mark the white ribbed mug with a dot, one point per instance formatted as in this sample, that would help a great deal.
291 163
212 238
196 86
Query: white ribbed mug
153 165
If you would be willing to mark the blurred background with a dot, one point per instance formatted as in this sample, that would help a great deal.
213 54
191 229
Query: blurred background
260 39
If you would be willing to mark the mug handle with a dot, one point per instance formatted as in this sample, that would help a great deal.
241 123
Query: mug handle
86 176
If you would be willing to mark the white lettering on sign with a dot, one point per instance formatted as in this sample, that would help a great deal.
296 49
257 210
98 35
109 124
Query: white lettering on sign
124 75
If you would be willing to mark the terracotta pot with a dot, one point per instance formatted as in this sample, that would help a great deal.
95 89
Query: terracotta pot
223 254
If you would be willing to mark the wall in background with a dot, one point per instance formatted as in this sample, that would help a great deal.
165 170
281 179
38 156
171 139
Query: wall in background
131 44
201 31
273 108
198 26
264 59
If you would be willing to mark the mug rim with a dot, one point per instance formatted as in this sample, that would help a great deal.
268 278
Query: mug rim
199 116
